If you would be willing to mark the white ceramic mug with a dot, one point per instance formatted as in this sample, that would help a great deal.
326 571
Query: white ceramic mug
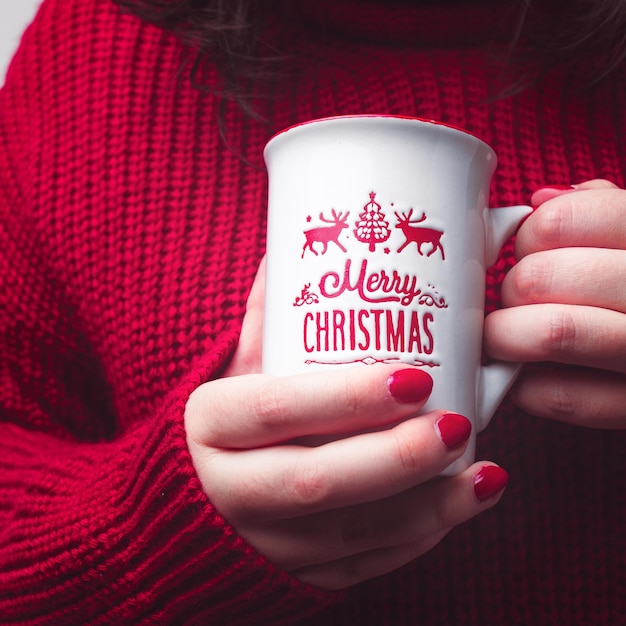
379 236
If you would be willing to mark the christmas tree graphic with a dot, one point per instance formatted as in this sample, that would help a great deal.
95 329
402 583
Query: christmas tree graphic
371 227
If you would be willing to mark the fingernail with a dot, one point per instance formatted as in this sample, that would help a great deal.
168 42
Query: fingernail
410 385
558 187
454 430
489 481
548 192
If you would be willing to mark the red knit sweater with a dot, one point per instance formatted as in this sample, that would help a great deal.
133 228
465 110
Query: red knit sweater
129 236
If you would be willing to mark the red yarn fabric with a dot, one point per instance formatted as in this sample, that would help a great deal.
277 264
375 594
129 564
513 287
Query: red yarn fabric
130 232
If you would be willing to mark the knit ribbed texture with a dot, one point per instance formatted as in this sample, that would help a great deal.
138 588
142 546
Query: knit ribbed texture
130 233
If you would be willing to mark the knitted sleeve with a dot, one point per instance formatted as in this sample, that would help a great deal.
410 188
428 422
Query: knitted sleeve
102 518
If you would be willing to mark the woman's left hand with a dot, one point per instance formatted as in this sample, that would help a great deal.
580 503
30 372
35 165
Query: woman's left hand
565 307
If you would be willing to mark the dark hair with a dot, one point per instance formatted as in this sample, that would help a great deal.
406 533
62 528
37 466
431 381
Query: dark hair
589 34
226 30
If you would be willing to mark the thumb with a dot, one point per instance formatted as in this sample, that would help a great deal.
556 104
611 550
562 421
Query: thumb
247 357
552 191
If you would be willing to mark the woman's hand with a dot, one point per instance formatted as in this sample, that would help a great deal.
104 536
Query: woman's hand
567 307
362 501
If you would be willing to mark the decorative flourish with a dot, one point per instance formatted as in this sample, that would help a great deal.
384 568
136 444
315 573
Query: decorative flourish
370 360
432 299
306 297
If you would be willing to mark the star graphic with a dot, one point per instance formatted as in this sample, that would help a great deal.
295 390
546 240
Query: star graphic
308 218
387 251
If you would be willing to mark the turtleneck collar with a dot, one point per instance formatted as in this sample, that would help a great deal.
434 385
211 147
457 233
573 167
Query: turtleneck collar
451 23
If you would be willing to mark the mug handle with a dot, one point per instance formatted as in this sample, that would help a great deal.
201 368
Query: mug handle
496 379
500 224
494 382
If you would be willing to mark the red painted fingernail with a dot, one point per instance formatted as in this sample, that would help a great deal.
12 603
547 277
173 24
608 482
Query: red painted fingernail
489 481
548 192
454 430
410 385
558 187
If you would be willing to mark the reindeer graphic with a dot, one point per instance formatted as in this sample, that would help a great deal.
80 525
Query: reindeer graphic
326 234
419 235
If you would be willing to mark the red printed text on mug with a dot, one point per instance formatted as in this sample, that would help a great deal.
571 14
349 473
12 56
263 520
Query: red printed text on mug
397 317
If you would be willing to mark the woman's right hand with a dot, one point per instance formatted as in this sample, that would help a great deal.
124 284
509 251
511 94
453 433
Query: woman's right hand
334 476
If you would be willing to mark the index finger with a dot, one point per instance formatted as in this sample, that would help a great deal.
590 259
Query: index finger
585 218
258 410
287 481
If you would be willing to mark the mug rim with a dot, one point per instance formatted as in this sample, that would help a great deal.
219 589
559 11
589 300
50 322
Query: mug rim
381 116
